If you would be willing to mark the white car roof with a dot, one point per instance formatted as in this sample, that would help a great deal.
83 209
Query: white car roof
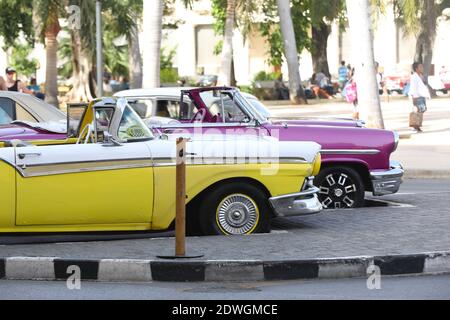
162 92
43 111
155 92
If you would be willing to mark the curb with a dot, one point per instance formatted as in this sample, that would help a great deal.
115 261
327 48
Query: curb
426 174
31 268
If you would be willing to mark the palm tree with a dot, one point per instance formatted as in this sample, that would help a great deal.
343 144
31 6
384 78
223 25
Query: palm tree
225 73
361 30
152 29
297 93
124 19
45 18
83 52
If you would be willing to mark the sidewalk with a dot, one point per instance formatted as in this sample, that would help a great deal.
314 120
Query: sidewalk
425 155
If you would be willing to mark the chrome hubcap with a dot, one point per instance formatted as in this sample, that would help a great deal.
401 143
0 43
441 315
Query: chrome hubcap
237 214
338 190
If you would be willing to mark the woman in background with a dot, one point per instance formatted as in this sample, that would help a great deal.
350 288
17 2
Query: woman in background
419 92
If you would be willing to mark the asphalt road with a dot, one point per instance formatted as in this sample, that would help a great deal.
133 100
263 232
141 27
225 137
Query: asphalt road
399 288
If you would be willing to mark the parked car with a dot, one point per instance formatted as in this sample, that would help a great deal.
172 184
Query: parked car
396 82
355 159
119 176
23 116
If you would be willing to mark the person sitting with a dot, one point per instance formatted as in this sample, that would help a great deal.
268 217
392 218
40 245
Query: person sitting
35 89
13 84
282 90
315 86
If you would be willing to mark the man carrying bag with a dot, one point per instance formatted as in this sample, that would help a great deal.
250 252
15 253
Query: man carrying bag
419 93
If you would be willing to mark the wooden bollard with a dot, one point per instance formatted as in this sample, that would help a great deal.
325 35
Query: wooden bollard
180 221
180 199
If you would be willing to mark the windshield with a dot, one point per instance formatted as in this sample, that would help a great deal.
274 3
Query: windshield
260 108
132 128
224 107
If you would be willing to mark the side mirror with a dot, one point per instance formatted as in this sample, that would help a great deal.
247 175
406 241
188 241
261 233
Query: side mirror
109 141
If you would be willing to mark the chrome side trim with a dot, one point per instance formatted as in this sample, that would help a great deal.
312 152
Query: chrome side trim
79 167
7 162
350 151
167 162
48 169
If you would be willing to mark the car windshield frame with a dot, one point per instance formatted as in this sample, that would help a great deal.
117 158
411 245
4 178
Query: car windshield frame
245 107
127 110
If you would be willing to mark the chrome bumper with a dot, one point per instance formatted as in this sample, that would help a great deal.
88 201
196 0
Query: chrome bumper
387 182
297 204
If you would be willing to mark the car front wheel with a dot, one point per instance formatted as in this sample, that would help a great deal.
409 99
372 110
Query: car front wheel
235 209
340 187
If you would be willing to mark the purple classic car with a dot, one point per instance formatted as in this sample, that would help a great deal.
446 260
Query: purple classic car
24 117
355 159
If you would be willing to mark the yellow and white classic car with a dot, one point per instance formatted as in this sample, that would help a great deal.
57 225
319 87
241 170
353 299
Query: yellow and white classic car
120 176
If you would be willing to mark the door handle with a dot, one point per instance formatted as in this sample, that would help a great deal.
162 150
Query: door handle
24 155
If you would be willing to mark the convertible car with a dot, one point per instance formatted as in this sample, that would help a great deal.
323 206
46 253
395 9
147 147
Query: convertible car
119 176
355 159
23 116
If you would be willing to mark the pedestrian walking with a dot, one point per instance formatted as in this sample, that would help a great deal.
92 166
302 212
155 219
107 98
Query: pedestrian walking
380 79
419 92
351 94
343 75
13 84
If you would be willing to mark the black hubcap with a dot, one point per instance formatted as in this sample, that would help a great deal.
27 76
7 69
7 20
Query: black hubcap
338 190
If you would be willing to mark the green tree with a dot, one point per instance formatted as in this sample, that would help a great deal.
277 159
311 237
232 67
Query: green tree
270 29
46 14
15 20
322 15
122 18
20 60
419 17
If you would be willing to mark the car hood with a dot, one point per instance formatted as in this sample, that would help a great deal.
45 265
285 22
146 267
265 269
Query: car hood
14 130
23 132
329 122
336 137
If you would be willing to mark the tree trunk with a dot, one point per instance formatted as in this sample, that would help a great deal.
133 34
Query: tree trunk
359 16
82 66
225 73
134 58
427 36
51 47
296 91
320 35
153 13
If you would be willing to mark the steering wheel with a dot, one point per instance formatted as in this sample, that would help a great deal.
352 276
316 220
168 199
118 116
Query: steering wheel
88 130
199 116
